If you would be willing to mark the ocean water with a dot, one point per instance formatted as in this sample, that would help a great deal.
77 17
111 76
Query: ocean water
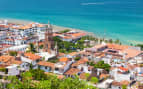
117 19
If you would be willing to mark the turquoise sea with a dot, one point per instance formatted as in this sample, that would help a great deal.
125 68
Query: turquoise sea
122 19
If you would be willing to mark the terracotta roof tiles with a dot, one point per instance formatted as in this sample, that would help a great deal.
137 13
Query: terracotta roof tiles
63 59
49 64
32 56
72 71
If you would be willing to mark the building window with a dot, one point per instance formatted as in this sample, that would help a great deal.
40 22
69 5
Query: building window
37 60
6 72
56 69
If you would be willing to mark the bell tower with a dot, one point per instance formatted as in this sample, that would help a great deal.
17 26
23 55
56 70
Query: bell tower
48 42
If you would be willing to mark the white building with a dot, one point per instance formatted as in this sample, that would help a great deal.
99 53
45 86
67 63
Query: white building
62 66
13 70
30 59
46 66
17 48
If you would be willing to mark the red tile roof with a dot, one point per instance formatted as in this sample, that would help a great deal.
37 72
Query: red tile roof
82 76
72 71
124 69
63 59
81 61
49 64
32 56
9 60
131 53
117 46
124 82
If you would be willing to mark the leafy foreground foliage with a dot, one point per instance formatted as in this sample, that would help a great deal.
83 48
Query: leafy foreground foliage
37 79
94 80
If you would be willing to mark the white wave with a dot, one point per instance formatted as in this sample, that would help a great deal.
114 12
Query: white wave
107 2
92 3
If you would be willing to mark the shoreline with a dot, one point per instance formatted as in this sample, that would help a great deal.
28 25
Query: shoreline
55 27
61 28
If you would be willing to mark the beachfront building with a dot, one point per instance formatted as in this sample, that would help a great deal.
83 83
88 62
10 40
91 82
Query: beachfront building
71 37
4 25
27 30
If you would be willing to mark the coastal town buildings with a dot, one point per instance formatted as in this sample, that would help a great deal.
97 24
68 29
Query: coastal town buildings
113 65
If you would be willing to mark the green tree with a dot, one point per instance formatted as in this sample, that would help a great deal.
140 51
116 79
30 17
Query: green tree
110 41
102 65
94 80
26 80
87 75
91 63
31 81
77 58
13 53
43 84
65 31
117 41
15 83
140 45
124 86
32 48
41 46
38 74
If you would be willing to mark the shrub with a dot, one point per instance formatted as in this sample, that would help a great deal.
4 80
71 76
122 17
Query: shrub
65 31
77 58
38 74
94 80
13 53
